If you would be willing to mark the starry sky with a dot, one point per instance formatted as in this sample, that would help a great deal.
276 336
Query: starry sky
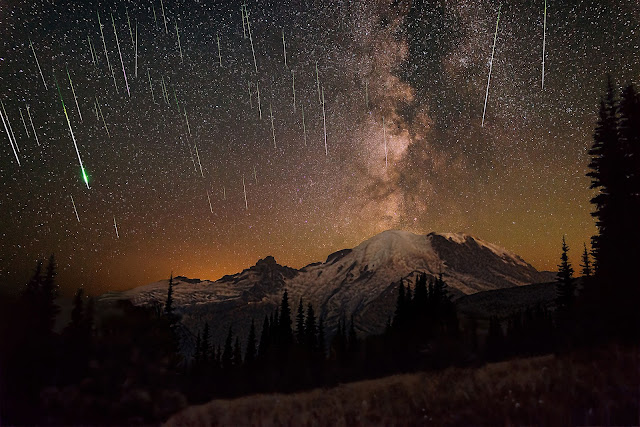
404 87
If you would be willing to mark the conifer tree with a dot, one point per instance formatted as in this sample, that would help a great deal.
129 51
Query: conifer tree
321 338
77 311
264 338
168 307
198 354
205 343
227 353
49 292
398 317
284 322
250 354
300 323
311 330
586 263
237 353
564 282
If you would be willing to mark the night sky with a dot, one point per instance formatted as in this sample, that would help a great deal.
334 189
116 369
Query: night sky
519 181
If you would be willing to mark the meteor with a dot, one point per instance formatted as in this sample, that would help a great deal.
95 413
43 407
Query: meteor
250 96
153 98
84 173
93 57
120 53
209 199
255 175
244 189
324 125
164 18
129 24
115 225
37 63
136 66
179 45
253 52
102 115
259 105
32 126
23 122
495 37
187 120
304 127
104 45
244 26
544 39
273 132
219 54
284 49
10 140
366 94
13 135
74 94
74 208
198 156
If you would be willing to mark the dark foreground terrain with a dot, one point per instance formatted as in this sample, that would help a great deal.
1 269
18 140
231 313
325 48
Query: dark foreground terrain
591 387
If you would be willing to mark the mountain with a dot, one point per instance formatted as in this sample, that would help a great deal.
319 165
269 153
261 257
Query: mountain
362 281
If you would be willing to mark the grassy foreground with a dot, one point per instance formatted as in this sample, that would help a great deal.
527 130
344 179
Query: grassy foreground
595 387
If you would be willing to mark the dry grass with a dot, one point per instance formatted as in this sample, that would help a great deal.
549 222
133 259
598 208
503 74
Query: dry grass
597 388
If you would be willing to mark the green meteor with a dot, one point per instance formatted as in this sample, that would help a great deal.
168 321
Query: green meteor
84 173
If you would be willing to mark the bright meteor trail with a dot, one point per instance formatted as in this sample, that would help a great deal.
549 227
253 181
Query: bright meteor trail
84 173
38 64
120 53
495 37
544 39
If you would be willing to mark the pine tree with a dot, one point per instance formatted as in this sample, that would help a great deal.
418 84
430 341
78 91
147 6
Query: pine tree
250 354
300 323
48 309
311 330
321 338
168 307
205 343
420 296
227 353
564 282
586 263
353 338
198 354
264 338
284 323
237 353
77 311
398 317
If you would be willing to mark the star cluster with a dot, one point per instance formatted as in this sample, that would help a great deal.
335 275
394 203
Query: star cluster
404 86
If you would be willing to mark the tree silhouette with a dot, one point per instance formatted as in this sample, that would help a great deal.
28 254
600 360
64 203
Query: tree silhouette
586 263
168 307
250 353
300 323
564 283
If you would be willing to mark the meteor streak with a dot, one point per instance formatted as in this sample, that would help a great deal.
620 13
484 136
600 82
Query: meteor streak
495 37
219 54
164 18
37 63
273 132
84 173
244 189
186 119
198 156
253 52
115 225
259 105
32 126
318 82
324 125
153 98
102 115
74 95
304 127
284 49
93 57
120 53
13 135
129 24
10 140
179 45
293 86
209 199
74 208
544 39
23 122
104 45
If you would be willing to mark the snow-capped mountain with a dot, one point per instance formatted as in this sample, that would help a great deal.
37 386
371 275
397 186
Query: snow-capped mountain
361 281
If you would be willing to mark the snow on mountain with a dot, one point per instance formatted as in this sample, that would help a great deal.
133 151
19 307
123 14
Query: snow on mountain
361 281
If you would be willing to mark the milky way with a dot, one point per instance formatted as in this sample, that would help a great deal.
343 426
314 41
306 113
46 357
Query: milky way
203 181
